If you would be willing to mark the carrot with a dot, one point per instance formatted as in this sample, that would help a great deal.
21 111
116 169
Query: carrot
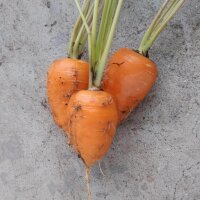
92 118
130 75
65 76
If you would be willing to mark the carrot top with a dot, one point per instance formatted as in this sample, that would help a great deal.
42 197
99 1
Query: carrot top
100 36
160 21
79 35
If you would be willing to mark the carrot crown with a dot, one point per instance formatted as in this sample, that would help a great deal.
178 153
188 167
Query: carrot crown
100 36
160 21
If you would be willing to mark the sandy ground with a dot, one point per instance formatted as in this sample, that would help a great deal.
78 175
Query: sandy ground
156 153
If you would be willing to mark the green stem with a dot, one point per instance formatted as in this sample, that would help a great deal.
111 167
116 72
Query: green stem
94 30
84 37
166 14
85 8
101 28
107 18
83 41
154 22
102 63
89 42
109 21
104 36
165 22
78 46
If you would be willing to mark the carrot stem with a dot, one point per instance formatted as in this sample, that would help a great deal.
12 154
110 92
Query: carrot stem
84 36
169 16
89 42
78 23
78 45
154 22
109 21
102 35
101 169
101 28
107 27
164 15
88 182
94 30
101 65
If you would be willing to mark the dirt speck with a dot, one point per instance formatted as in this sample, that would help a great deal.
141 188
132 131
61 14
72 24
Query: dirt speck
77 107
48 4
54 23
118 64
44 103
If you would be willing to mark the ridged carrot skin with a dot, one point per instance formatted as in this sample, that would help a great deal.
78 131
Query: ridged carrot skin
129 77
92 118
65 77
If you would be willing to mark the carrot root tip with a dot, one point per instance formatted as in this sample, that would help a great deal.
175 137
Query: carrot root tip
101 169
88 182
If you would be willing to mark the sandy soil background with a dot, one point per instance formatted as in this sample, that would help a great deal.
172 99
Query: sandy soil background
156 153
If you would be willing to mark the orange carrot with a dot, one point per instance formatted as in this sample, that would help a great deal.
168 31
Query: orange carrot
92 118
129 77
65 76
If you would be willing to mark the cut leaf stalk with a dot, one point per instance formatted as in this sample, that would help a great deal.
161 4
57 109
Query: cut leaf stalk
164 15
77 26
101 65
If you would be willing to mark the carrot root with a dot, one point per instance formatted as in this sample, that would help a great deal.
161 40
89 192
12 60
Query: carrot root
101 169
87 169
